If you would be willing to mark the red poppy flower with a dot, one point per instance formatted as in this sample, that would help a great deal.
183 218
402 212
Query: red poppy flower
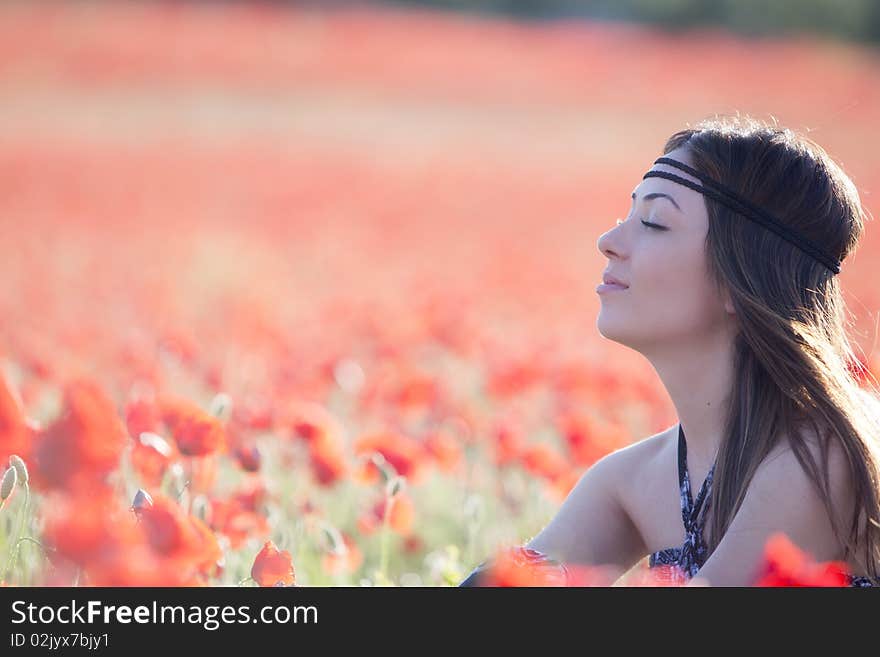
401 513
150 457
509 441
196 432
84 444
586 440
345 563
309 421
327 459
444 449
81 527
544 461
252 494
182 540
521 567
167 527
208 559
366 523
405 454
416 390
413 544
141 415
181 345
235 520
16 436
254 413
510 378
785 564
272 566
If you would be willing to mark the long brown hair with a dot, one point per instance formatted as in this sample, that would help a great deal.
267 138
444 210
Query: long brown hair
794 365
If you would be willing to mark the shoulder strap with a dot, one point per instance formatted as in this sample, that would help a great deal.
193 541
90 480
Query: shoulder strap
684 489
689 508
682 459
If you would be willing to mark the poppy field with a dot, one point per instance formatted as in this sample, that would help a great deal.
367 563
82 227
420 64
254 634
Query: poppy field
307 298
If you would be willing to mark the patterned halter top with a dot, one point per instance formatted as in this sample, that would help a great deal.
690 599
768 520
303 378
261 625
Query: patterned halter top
691 556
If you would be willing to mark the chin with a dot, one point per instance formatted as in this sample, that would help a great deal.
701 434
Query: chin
610 331
606 327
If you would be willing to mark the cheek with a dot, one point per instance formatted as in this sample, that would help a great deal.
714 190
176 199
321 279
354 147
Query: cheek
682 300
669 296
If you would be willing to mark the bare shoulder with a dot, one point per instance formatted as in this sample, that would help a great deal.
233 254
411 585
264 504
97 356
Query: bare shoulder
784 493
593 524
784 459
782 466
627 462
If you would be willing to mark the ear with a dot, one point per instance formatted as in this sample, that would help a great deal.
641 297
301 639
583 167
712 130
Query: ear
728 303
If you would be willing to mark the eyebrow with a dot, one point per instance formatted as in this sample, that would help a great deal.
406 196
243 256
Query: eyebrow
653 195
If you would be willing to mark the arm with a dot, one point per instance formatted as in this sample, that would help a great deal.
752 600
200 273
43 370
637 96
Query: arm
780 498
476 576
524 556
591 527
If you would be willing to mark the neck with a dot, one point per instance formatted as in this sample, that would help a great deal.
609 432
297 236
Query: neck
698 378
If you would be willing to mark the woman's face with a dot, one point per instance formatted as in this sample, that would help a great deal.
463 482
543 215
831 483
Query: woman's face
669 298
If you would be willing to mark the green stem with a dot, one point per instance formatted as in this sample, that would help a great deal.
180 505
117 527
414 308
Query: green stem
42 547
35 542
471 543
189 483
383 558
13 548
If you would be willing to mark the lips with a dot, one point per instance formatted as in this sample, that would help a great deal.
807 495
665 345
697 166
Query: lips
608 279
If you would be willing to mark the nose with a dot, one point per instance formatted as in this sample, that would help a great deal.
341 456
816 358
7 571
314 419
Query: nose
608 242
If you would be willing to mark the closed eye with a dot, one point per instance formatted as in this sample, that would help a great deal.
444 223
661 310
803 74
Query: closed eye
655 226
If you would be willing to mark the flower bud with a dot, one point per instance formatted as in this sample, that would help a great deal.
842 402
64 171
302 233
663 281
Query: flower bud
141 501
221 406
8 483
331 540
395 486
157 442
177 478
387 470
20 468
249 457
201 508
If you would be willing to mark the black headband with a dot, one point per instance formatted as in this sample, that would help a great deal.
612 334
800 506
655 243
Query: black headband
715 190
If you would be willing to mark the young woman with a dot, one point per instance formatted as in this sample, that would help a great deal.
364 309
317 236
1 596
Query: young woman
724 276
